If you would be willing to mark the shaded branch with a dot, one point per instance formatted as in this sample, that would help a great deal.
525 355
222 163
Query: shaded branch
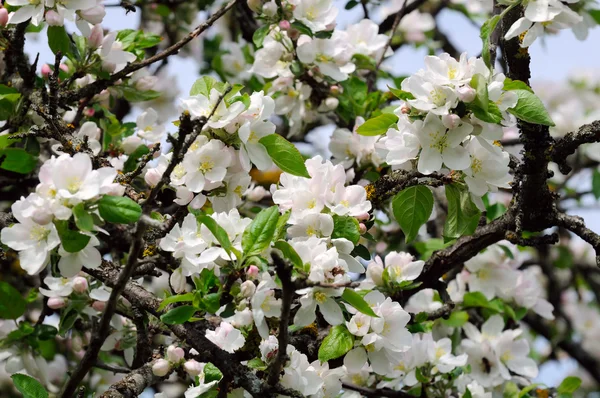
565 146
134 383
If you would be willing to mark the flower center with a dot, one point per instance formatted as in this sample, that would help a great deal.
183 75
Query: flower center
476 165
439 141
320 297
206 166
39 233
73 184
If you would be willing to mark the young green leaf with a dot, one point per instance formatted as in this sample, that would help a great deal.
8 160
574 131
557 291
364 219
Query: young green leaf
487 29
596 183
72 241
346 227
456 319
463 215
12 304
178 315
569 385
356 300
175 299
337 343
259 35
59 40
205 84
378 125
133 158
289 253
28 386
259 234
530 108
218 233
17 160
510 85
401 94
83 219
285 155
479 83
211 373
412 208
119 209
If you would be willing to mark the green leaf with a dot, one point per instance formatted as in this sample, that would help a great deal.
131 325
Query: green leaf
285 155
203 85
59 40
259 35
289 253
303 29
412 208
378 125
530 108
524 392
337 343
119 209
28 386
218 233
256 363
175 299
510 85
72 241
5 140
492 115
133 158
595 14
456 319
487 29
356 300
12 304
83 219
132 94
211 373
479 83
596 184
259 234
17 160
346 227
401 94
463 215
178 315
569 385
477 299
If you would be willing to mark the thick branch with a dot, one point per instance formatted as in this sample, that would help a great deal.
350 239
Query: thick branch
133 384
577 226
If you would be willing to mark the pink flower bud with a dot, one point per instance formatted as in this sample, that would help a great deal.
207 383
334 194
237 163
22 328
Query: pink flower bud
46 70
54 19
80 284
405 109
161 367
252 272
63 67
331 103
152 178
3 16
247 289
175 354
362 228
99 305
93 15
193 367
363 217
450 120
57 302
96 37
89 112
466 93
285 25
335 89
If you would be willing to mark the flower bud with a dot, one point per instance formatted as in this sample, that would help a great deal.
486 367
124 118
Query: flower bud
152 178
161 367
256 194
466 93
57 302
14 363
77 343
63 67
193 367
247 289
362 228
96 37
335 89
331 103
54 19
3 16
99 305
80 284
405 109
450 120
375 272
270 9
252 272
363 217
131 143
89 112
46 70
93 15
146 83
175 354
285 25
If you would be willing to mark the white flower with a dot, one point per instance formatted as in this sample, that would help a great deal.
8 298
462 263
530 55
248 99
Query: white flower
237 184
93 133
446 70
251 150
348 147
57 287
273 59
323 298
184 241
299 374
318 225
365 38
226 337
400 145
332 56
71 263
442 146
401 267
429 97
201 106
316 14
265 305
422 301
33 9
113 57
234 61
268 349
161 367
207 166
490 274
194 392
489 168
147 126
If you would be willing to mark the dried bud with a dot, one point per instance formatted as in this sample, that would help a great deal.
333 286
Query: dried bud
161 367
80 284
57 302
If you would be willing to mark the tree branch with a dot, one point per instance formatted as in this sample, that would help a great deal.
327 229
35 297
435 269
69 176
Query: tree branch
565 146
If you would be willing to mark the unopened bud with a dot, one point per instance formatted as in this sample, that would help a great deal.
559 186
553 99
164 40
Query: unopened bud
93 15
362 228
270 9
193 367
77 343
175 354
54 19
285 25
335 89
247 289
99 305
375 272
363 217
146 83
405 109
131 143
466 93
252 272
3 16
89 112
46 70
161 367
152 178
450 121
57 302
80 284
331 103
96 37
